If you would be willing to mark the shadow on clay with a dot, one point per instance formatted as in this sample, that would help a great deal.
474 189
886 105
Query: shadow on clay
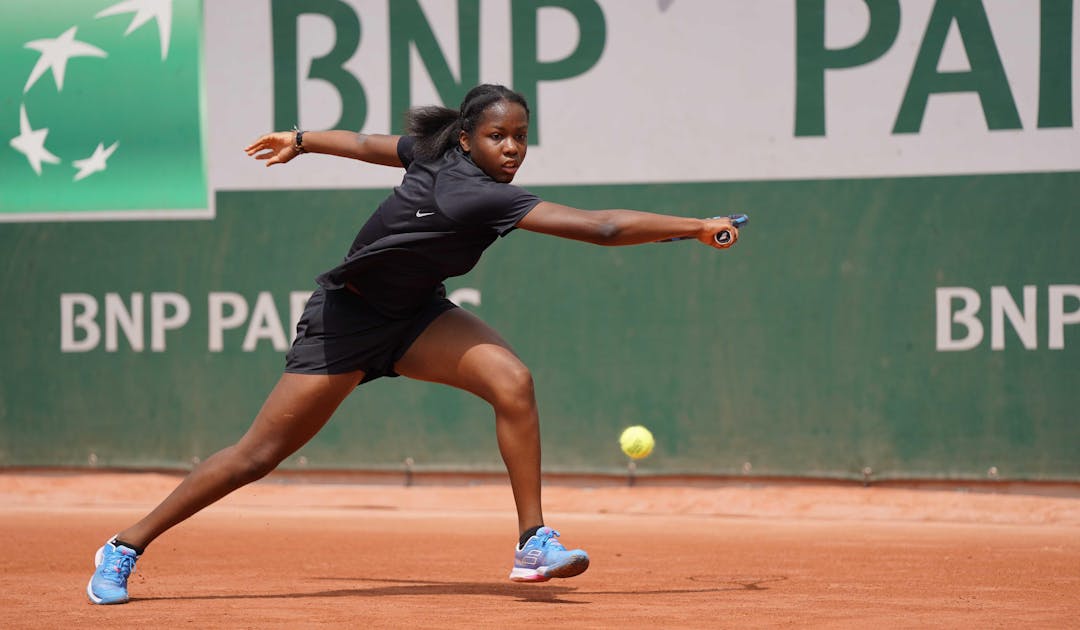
547 593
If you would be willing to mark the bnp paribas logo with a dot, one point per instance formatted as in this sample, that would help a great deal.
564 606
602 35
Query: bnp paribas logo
101 110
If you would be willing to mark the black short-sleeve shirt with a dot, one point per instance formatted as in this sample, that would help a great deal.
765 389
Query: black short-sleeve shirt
435 225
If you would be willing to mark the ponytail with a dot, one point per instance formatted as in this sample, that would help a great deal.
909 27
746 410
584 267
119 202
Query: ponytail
437 129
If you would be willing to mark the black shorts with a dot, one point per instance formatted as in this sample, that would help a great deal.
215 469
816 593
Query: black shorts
339 332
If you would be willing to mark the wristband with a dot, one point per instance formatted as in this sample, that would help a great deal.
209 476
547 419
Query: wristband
298 140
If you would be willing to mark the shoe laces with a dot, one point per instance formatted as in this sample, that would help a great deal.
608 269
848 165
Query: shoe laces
549 539
123 565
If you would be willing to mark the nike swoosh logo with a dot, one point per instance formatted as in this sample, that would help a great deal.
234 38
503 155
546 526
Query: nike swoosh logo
421 215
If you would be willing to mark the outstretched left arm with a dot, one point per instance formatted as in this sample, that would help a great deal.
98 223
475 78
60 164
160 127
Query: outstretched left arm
280 147
622 227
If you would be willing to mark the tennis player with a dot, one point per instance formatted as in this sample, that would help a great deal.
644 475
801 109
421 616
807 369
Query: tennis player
383 312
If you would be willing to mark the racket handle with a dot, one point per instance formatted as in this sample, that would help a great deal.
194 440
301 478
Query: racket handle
723 237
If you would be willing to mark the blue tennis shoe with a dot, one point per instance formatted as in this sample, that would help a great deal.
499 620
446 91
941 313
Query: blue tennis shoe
543 557
115 563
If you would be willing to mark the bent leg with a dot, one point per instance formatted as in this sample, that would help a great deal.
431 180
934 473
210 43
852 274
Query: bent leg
460 350
298 406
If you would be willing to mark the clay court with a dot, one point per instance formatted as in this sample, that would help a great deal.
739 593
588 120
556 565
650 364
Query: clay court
292 553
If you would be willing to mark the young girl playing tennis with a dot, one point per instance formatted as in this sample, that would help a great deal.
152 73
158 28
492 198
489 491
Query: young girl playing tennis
383 312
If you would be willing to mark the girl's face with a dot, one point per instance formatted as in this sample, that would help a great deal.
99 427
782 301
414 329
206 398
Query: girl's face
499 142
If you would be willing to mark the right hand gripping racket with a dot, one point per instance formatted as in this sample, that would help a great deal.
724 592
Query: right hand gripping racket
723 237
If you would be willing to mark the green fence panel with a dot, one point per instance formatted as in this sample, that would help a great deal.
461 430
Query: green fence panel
808 349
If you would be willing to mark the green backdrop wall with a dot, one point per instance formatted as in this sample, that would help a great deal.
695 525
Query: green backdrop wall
808 349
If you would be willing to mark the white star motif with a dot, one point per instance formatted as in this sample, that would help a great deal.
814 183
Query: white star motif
55 54
94 163
31 143
146 10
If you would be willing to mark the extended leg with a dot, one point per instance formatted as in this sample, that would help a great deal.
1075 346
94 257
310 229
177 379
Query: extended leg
298 406
460 350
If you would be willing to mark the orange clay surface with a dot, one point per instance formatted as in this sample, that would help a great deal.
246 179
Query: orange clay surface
289 554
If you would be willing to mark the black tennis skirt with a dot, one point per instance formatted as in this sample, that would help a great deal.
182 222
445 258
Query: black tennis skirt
340 332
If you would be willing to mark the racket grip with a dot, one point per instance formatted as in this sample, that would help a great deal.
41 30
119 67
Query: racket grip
723 237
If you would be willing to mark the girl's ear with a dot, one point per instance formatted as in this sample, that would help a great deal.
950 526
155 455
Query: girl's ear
463 140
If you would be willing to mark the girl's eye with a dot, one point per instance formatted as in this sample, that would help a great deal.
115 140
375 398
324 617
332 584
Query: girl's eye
496 136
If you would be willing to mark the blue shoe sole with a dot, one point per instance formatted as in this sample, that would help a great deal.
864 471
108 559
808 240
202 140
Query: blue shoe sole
575 565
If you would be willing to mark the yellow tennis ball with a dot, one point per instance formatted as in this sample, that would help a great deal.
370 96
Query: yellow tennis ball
637 442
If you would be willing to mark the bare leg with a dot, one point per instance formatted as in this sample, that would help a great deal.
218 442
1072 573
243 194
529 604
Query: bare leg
460 350
298 406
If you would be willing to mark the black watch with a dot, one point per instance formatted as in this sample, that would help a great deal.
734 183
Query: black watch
298 142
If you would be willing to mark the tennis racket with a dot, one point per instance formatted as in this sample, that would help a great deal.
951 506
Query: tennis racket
723 237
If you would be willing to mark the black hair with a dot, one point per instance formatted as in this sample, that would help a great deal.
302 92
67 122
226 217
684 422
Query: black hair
437 129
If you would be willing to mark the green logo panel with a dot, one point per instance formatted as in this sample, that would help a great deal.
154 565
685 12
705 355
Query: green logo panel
101 110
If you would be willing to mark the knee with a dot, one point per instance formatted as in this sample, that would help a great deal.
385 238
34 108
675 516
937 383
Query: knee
513 389
250 466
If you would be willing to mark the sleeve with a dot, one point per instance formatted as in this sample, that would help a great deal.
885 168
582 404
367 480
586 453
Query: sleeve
491 204
405 150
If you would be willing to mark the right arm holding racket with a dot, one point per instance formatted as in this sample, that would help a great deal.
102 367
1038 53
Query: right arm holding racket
629 227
